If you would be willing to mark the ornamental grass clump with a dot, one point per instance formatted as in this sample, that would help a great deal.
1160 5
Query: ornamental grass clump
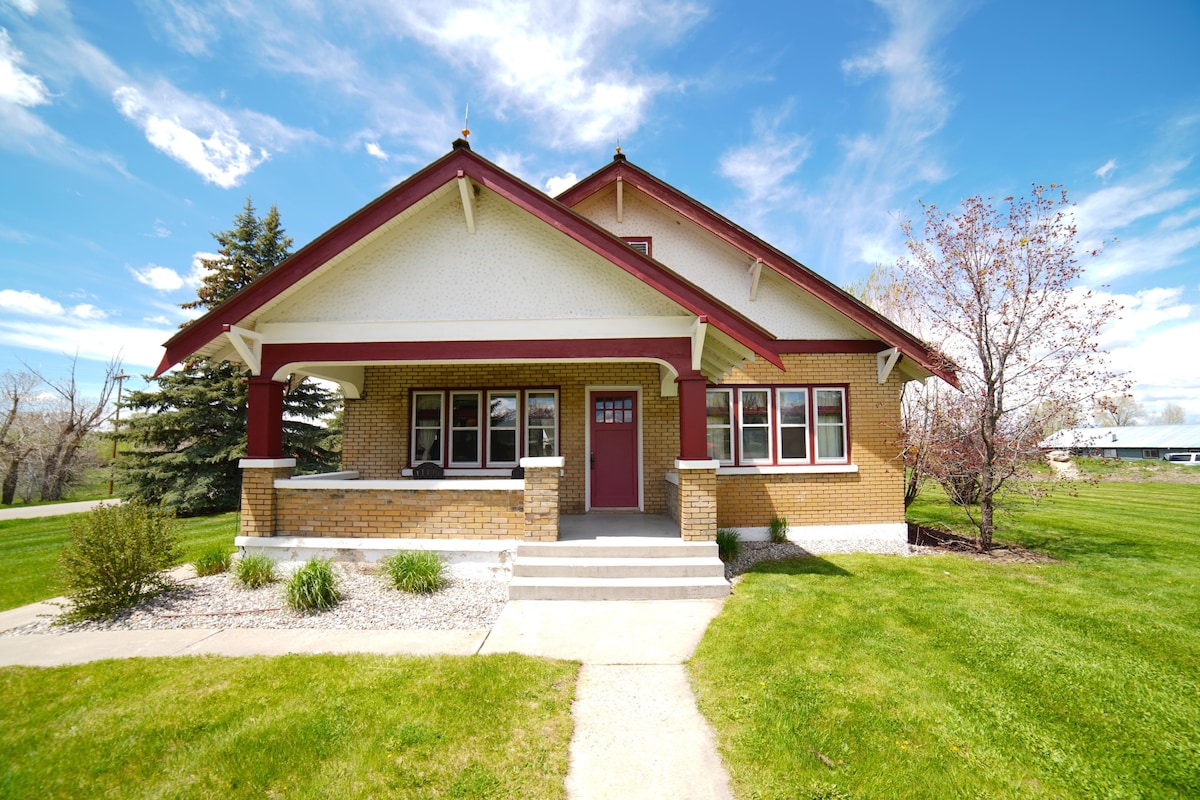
313 587
417 571
115 557
779 530
213 561
254 570
729 544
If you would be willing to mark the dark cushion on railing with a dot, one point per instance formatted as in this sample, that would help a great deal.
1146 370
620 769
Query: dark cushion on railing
429 472
518 472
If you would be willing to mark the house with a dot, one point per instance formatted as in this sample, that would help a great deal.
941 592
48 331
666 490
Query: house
511 360
1127 442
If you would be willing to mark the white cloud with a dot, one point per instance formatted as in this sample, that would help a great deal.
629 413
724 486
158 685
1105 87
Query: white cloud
1144 342
17 86
189 27
375 151
26 7
763 168
160 230
559 184
1155 208
222 158
162 279
570 67
31 303
93 340
157 319
1106 170
89 311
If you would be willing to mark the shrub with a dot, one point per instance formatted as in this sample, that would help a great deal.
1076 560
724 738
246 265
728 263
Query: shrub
779 530
114 558
255 570
213 561
729 544
313 587
415 571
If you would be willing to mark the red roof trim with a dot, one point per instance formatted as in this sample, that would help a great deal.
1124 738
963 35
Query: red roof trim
830 346
393 202
783 264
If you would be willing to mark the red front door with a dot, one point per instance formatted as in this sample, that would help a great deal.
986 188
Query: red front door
614 456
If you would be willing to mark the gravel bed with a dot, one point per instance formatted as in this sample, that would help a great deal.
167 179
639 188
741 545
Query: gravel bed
368 603
754 552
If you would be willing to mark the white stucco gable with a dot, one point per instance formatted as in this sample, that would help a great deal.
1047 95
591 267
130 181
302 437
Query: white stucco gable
429 278
781 307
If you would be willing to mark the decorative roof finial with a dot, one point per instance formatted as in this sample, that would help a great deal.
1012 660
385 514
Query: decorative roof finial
466 131
618 145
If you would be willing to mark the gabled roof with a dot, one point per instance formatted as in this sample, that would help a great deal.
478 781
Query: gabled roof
887 331
461 162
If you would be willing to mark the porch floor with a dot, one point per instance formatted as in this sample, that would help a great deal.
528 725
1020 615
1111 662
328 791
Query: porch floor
586 527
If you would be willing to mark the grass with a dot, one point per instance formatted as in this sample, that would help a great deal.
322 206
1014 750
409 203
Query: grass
29 552
254 570
417 571
214 560
295 726
729 544
313 587
947 676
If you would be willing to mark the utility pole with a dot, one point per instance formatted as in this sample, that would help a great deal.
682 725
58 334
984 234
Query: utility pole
112 462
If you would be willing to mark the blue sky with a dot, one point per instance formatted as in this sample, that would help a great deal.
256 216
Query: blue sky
130 131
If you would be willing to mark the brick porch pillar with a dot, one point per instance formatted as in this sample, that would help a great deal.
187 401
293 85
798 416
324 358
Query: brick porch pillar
541 497
258 493
697 499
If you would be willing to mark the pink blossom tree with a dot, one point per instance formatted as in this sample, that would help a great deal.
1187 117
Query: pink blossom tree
997 287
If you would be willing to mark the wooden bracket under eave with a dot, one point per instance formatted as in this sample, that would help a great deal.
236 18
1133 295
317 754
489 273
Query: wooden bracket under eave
886 361
468 200
248 345
755 273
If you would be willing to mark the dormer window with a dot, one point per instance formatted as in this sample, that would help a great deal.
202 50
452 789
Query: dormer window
639 243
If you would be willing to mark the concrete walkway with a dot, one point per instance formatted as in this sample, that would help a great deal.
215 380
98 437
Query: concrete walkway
54 509
638 733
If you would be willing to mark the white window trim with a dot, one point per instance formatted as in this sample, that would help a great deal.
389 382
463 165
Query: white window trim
810 444
768 427
441 426
732 426
478 428
816 424
518 428
526 427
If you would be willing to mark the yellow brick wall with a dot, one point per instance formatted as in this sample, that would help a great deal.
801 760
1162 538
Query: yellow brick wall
258 517
379 513
376 438
874 494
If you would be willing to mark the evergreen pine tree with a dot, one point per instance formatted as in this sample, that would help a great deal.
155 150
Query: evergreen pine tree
188 432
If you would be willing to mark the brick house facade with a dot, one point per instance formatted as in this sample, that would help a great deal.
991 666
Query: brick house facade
618 348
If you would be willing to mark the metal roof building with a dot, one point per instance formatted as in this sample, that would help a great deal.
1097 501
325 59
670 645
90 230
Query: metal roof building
1127 441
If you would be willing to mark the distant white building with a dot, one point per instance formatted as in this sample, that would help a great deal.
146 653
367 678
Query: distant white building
1128 442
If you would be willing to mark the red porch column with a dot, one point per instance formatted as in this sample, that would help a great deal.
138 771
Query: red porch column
693 416
264 418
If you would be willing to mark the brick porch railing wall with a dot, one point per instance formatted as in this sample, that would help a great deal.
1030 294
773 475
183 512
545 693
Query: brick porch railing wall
697 500
258 493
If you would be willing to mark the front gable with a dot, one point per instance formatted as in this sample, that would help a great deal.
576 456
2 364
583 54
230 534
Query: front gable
786 310
513 268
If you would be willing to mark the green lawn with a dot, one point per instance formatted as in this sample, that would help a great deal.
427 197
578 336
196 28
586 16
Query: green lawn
945 676
297 727
29 551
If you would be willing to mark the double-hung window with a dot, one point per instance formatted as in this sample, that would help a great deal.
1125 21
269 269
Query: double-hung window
541 423
778 425
483 428
464 430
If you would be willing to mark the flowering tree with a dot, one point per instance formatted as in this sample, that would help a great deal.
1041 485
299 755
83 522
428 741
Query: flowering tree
997 284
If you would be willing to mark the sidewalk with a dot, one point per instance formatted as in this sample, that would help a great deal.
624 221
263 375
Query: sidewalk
637 734
54 509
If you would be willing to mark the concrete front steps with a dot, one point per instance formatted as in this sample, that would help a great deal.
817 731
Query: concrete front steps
618 568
